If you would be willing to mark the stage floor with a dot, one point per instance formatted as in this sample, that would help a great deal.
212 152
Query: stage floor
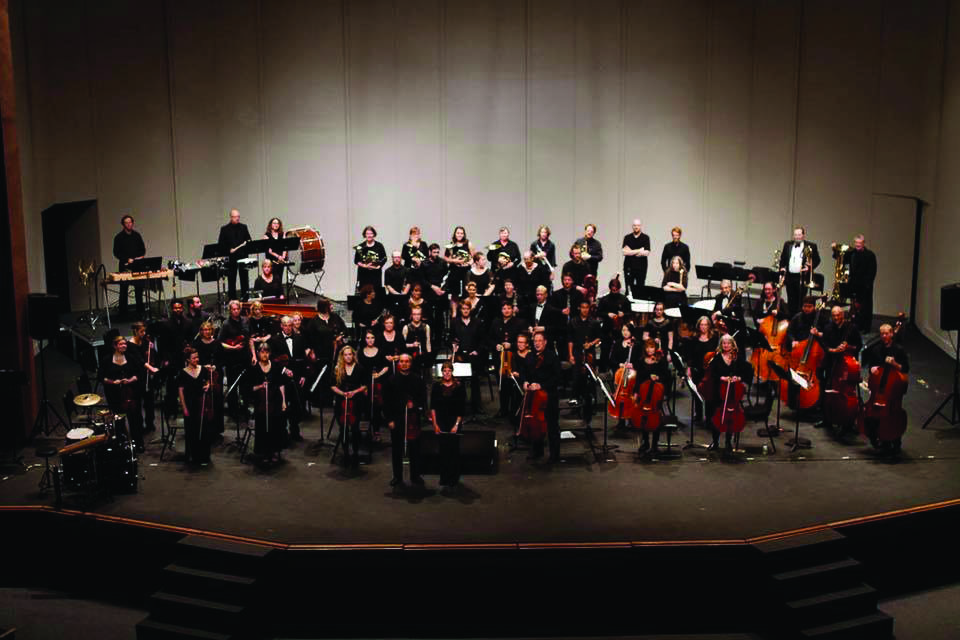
701 496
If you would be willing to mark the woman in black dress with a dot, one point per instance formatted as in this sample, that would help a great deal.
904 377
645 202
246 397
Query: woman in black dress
120 377
391 342
366 314
349 380
696 348
373 361
457 257
196 401
627 352
725 366
265 384
262 329
660 329
447 400
275 252
210 350
268 283
674 283
481 275
652 366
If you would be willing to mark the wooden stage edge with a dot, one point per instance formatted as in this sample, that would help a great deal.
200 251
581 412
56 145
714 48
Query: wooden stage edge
484 546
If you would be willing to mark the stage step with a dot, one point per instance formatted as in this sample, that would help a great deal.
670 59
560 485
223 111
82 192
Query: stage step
197 612
820 578
795 551
830 607
222 587
221 555
151 629
876 626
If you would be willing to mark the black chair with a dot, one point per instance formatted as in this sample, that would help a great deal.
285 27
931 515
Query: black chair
669 425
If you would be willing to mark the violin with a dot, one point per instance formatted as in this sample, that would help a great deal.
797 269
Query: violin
350 417
729 416
626 380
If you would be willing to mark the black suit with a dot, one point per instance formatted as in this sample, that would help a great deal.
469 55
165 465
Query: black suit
545 371
233 235
793 282
551 318
863 271
293 360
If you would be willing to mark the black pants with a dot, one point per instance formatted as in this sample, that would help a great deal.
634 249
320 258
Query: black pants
295 406
478 367
553 425
864 319
635 279
449 458
148 397
233 268
584 391
124 293
268 434
795 292
413 454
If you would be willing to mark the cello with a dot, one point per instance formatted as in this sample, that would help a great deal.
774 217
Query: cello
626 380
805 359
649 394
533 416
729 416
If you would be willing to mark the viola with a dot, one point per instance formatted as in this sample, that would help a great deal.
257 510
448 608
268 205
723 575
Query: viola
626 380
533 416
207 409
729 416
590 284
647 412
805 359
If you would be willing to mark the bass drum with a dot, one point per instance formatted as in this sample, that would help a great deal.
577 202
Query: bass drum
119 465
312 251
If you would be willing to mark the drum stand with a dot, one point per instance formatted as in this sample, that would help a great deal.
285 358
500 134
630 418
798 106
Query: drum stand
92 317
46 407
954 396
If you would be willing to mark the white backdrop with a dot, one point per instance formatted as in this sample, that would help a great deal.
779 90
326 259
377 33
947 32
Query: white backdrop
733 119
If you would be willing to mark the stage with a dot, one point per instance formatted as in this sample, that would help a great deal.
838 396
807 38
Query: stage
699 497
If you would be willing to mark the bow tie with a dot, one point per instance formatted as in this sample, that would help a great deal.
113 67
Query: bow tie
796 245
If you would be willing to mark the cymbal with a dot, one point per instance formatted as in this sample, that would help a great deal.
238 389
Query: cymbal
87 400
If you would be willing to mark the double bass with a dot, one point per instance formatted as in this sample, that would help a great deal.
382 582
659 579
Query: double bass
805 359
774 329
884 408
841 403
626 380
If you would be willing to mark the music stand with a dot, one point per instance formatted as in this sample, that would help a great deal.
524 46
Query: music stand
153 263
707 274
690 315
764 275
694 397
796 442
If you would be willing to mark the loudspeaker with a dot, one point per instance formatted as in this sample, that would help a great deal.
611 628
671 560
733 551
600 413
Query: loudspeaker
950 307
43 315
478 451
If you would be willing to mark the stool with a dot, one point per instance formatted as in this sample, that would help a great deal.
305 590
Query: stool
46 480
670 425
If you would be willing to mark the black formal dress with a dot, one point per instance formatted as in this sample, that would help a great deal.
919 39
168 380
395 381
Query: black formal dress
272 289
148 381
198 428
211 354
369 253
349 417
448 403
267 408
635 267
457 275
275 244
505 331
125 399
609 327
364 313
719 368
233 235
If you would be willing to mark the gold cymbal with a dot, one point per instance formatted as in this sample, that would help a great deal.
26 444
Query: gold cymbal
86 400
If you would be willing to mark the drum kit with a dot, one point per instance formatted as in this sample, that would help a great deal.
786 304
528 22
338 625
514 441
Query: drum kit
99 457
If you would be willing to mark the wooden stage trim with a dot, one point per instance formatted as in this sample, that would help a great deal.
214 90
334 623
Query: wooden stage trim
945 504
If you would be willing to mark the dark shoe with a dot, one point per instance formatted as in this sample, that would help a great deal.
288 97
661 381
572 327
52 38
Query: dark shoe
296 437
396 482
713 446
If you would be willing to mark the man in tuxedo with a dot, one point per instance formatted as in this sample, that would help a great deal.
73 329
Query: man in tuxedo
289 353
797 259
543 317
232 236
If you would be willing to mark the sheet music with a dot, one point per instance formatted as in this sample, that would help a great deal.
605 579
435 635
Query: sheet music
799 380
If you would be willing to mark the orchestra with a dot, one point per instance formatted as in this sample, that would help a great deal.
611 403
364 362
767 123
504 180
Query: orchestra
496 309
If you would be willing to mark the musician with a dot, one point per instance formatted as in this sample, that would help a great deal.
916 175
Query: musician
505 274
418 341
290 353
652 366
433 271
636 249
467 337
478 305
480 275
233 340
805 324
696 348
770 304
297 318
369 256
544 373
366 313
673 249
506 247
195 316
390 341
275 251
501 341
543 248
447 400
885 352
542 317
797 259
261 329
172 338
268 283
530 275
840 338
520 369
210 353
727 366
349 381
581 349
510 295
414 252
415 299
863 271
233 236
405 397
623 355
660 329
590 248
674 283
141 349
127 247
121 385
728 302
265 384
395 278
567 298
612 310
375 364
577 268
459 257
196 401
